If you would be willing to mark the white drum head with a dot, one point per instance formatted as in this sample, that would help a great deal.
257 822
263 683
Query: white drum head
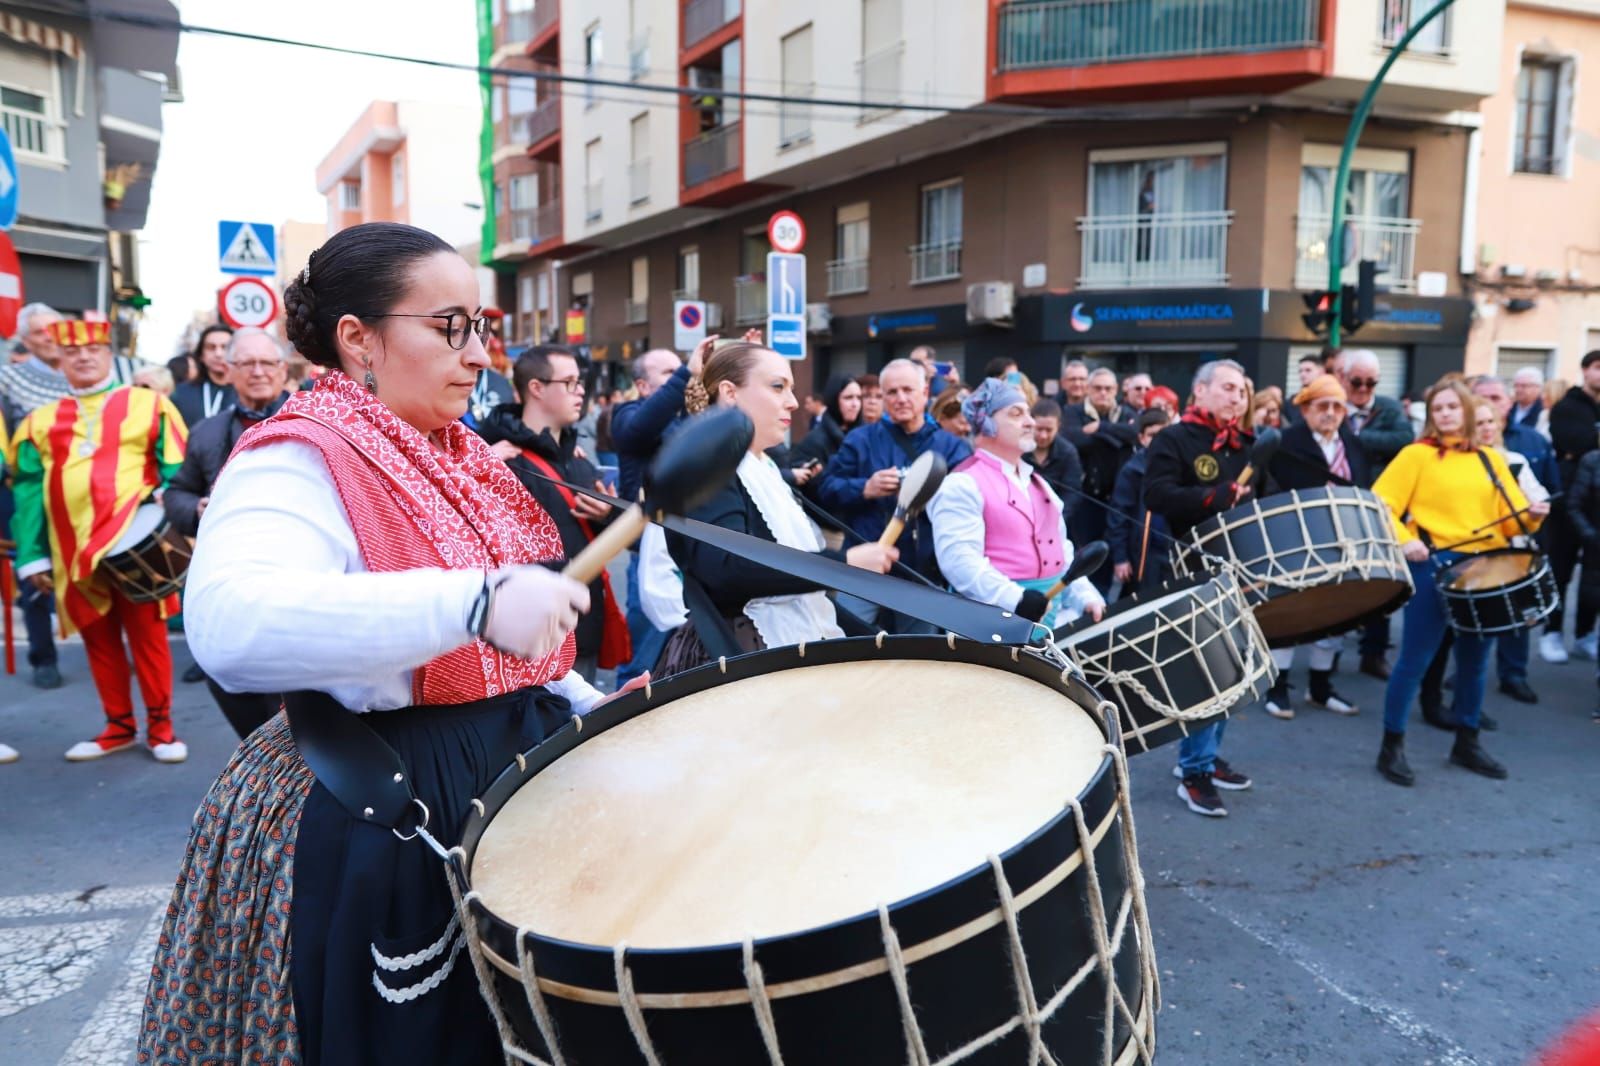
780 803
146 520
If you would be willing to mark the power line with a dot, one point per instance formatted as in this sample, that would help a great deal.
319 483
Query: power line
979 110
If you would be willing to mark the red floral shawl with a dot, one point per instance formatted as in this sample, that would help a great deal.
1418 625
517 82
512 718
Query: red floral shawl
413 504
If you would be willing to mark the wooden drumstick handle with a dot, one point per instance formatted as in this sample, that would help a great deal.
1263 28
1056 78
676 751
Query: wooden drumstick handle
612 541
892 531
1245 475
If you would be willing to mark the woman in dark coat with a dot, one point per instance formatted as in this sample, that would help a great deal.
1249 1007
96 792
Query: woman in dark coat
842 397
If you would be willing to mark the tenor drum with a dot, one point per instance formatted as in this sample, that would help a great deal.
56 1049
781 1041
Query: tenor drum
1312 562
1498 591
1174 660
861 851
149 560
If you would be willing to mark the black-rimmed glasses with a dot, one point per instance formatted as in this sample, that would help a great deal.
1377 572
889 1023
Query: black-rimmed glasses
570 384
456 325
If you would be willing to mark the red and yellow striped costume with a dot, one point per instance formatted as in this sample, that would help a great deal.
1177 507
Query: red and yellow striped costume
81 467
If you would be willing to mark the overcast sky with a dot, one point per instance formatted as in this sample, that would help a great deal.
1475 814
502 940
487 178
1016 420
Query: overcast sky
257 119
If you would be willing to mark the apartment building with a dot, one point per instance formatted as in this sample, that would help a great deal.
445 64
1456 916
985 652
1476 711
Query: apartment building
82 109
1534 266
1142 184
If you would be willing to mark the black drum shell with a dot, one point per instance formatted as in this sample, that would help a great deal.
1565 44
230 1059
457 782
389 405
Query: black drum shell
1278 527
1506 608
959 993
1151 728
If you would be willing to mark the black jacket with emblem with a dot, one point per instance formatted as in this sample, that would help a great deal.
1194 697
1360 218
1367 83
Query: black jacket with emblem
1186 480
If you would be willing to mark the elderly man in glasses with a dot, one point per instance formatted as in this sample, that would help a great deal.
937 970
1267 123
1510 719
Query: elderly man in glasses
1382 428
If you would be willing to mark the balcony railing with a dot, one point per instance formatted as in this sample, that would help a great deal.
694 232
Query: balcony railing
846 276
639 181
712 153
1076 33
34 133
593 201
749 300
1155 251
937 261
518 27
685 294
878 76
702 18
635 312
1396 16
544 119
639 55
545 13
1390 241
794 119
535 224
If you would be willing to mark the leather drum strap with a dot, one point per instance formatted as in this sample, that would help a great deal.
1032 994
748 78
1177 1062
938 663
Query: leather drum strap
349 758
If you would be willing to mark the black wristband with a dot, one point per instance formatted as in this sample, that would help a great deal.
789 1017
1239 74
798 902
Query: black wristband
478 616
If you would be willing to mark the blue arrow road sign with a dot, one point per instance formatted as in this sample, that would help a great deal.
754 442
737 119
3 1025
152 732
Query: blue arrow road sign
247 248
8 183
786 304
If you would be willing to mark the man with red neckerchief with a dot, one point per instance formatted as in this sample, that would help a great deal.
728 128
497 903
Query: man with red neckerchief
82 466
1193 473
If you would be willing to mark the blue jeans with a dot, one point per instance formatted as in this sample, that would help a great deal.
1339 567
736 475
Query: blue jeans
1197 752
1511 655
1423 627
647 639
36 608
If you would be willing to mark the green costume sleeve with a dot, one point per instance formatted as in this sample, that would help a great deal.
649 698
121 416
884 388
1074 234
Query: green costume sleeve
27 523
170 447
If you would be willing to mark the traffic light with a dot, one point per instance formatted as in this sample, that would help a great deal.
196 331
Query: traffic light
1357 303
1319 311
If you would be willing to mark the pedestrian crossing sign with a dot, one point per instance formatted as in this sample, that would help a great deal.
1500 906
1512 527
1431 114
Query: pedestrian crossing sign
247 248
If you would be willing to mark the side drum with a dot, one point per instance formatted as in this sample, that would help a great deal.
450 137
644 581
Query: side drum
1312 562
1498 591
861 851
1173 661
148 562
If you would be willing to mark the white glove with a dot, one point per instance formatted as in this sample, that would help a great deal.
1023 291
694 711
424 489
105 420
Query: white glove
533 610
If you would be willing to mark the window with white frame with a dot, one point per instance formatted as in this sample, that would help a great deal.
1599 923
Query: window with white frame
1376 205
688 272
638 290
523 193
1543 115
799 84
1157 216
593 189
1395 17
852 236
541 292
639 158
1508 359
592 56
937 256
349 196
31 103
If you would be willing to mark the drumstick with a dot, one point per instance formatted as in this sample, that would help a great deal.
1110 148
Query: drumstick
1087 561
1144 547
922 479
1509 517
693 465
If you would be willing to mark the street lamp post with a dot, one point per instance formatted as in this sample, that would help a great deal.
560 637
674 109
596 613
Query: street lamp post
1358 120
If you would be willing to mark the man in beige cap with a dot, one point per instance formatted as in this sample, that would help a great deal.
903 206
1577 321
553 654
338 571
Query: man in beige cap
1318 450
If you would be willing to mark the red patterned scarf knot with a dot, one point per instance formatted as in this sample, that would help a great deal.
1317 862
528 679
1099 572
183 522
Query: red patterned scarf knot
1446 444
1229 435
415 501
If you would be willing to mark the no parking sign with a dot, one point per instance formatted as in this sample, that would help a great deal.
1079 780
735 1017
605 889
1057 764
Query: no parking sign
688 324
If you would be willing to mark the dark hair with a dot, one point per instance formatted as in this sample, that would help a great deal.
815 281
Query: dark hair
1046 409
996 367
1329 354
830 399
869 381
181 367
362 271
1309 358
1152 416
1591 358
200 344
534 365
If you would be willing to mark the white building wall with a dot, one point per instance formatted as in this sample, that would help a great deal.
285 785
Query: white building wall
1467 69
441 147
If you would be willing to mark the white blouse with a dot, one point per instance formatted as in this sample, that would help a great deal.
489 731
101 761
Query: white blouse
278 598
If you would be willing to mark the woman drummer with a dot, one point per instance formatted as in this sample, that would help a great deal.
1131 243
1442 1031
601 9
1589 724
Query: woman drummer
756 607
363 552
1441 495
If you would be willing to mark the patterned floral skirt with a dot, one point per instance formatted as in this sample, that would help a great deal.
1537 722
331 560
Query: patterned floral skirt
370 974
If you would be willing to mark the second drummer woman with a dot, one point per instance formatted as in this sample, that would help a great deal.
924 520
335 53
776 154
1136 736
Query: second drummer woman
1441 495
760 608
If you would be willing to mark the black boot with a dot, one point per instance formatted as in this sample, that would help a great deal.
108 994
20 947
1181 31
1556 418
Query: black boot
1469 754
1433 711
1392 760
1487 724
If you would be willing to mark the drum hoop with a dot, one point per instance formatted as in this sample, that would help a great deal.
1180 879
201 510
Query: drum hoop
1533 577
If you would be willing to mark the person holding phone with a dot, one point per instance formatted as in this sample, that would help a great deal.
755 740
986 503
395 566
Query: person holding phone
538 441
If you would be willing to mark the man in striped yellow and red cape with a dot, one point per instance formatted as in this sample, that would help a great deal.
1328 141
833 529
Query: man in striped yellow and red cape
82 466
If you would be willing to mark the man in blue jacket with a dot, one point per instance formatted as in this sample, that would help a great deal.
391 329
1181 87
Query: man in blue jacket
862 480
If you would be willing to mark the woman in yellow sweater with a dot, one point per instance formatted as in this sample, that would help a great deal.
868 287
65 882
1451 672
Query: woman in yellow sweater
1440 494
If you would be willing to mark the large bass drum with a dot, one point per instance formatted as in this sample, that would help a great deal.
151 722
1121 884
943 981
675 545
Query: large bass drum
862 851
1312 562
1173 660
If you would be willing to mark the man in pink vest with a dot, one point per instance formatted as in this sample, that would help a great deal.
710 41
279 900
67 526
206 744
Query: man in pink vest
997 527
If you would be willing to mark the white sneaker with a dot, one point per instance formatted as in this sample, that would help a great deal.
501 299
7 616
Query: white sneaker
1337 705
8 753
88 750
1587 647
1552 649
177 751
1284 710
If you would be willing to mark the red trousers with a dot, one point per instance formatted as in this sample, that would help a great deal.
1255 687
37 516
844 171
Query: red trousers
152 661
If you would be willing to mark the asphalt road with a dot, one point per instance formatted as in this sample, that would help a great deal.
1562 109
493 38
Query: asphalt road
1332 918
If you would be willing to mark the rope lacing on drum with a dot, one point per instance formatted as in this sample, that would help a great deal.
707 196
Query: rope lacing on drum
916 1050
536 1001
630 1004
480 967
757 983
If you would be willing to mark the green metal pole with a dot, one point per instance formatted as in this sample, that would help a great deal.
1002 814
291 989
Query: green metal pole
1358 121
490 227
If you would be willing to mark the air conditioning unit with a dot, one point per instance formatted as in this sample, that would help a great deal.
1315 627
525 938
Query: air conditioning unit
713 316
819 318
1513 270
991 302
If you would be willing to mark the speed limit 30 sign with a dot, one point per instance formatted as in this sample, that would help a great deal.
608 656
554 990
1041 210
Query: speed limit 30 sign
248 301
786 232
